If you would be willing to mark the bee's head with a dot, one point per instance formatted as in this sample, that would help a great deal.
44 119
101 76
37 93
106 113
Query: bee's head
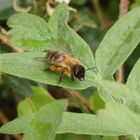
79 72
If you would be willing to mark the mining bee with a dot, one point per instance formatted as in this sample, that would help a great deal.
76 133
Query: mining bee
65 63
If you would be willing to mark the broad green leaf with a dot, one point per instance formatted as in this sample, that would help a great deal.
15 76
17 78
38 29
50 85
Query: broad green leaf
120 91
32 34
19 85
115 120
24 65
33 104
19 125
46 121
118 43
134 77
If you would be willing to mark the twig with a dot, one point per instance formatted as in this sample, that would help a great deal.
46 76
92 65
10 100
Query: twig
5 40
123 9
18 8
58 93
99 12
120 74
82 100
3 120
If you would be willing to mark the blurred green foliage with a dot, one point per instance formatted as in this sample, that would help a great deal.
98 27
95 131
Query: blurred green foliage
86 22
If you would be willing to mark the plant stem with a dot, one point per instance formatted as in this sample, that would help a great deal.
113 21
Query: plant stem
123 9
99 13
5 40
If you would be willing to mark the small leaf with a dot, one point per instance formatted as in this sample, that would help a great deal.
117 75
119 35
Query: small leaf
46 121
134 77
120 91
118 43
95 102
59 17
133 82
26 107
40 98
32 34
19 125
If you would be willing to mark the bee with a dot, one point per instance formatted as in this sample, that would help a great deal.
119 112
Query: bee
66 64
60 58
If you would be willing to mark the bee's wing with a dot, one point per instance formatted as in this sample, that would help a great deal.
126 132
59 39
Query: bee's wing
60 45
42 59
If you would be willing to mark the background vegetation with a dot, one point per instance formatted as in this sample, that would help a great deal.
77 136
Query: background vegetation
97 108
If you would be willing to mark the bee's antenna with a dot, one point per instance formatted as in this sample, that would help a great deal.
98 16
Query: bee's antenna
90 68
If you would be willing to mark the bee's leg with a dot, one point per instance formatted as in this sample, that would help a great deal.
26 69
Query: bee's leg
51 68
61 76
72 77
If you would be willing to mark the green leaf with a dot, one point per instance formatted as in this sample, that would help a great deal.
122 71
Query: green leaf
115 120
19 125
46 121
33 104
118 43
26 107
59 17
95 102
134 77
133 82
41 97
19 85
27 67
120 91
32 34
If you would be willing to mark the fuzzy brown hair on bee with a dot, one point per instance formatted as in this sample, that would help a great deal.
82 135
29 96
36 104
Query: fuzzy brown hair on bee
67 64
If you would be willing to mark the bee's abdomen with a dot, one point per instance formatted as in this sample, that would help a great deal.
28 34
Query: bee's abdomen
54 57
